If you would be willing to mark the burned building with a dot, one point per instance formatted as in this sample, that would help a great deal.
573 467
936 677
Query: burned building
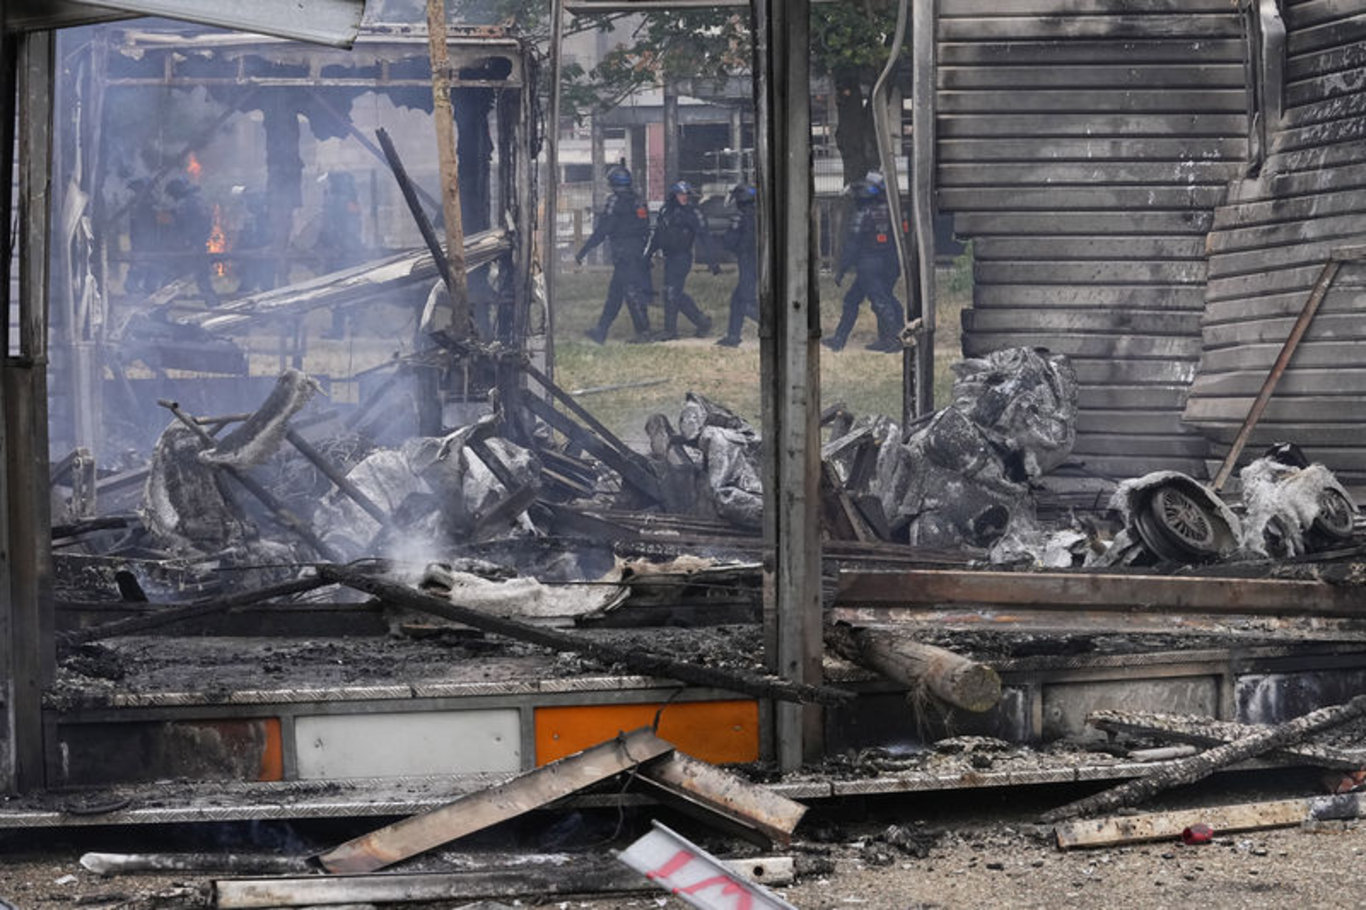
1153 190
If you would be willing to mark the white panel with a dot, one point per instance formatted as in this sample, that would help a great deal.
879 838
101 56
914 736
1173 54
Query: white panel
410 743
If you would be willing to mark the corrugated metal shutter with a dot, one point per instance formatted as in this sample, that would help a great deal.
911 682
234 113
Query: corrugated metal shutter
1083 145
1269 245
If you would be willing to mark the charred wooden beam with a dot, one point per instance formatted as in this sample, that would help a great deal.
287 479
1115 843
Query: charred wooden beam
961 682
252 486
477 811
532 879
640 470
1207 732
639 477
171 613
638 661
1197 767
1281 813
330 471
1101 591
407 188
716 792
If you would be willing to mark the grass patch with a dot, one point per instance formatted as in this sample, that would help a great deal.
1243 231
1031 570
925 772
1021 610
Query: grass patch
867 382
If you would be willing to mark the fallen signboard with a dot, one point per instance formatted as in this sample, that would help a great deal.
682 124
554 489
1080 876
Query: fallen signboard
695 876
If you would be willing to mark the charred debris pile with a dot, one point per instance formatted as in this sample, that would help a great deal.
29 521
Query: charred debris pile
542 517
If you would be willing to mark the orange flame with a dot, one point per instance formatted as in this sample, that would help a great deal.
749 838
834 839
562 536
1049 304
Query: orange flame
193 167
218 241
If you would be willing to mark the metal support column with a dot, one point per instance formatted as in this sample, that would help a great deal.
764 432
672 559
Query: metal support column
922 188
789 325
550 254
28 642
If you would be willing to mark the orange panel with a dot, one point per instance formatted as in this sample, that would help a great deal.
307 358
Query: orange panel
714 731
273 755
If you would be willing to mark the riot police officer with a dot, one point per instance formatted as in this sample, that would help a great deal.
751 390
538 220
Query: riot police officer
741 237
678 227
869 248
625 222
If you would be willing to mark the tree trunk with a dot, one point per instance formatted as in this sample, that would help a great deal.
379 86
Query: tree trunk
1200 766
854 135
957 680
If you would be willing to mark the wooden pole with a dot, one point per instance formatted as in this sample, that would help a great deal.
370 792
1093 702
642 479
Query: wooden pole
636 660
1311 308
444 119
789 330
1200 766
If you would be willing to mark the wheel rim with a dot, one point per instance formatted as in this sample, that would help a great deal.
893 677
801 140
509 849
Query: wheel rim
1185 520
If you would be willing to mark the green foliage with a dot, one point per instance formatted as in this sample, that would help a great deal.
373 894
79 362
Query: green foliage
960 277
851 35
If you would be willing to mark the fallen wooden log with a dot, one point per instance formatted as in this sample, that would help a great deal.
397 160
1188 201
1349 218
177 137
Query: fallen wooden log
1189 770
1282 813
638 661
557 876
1207 732
477 811
957 680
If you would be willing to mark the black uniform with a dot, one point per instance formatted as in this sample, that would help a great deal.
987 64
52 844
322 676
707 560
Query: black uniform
625 222
677 228
869 249
741 237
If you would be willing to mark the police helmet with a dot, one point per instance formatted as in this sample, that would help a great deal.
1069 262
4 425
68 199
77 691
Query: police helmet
683 187
619 177
744 194
864 191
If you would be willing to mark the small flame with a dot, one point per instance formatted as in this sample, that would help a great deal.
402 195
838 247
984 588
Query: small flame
218 241
193 167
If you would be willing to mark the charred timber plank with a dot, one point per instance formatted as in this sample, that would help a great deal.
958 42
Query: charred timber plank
1087 51
1091 296
1254 413
171 613
961 682
1190 770
1114 27
1111 247
1283 813
477 811
277 509
322 463
424 224
1096 170
1207 732
1178 222
1143 75
954 9
1102 591
1016 198
537 880
630 470
722 793
637 660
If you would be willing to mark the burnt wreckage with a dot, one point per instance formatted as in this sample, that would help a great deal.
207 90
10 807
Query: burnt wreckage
439 562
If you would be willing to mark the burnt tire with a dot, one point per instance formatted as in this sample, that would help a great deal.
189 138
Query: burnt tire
1334 518
1178 526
